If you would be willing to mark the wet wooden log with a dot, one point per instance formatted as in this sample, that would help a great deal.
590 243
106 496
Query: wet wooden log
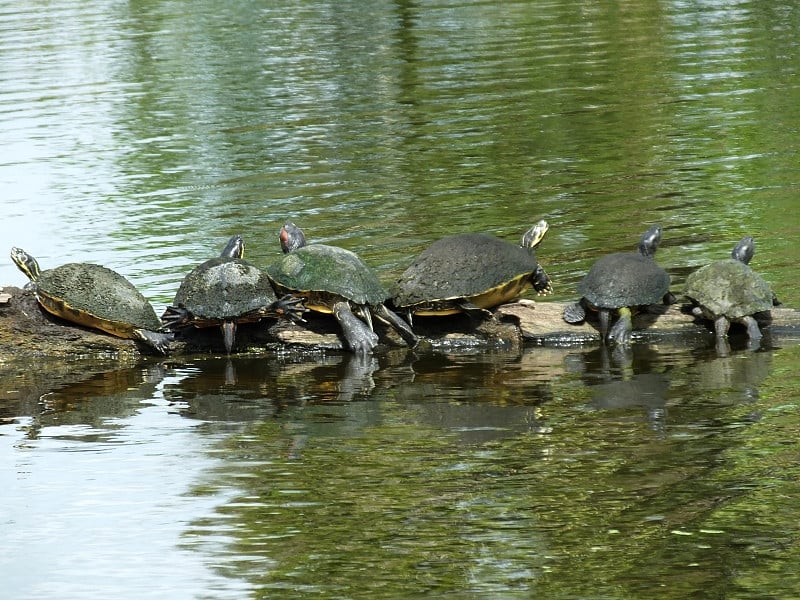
27 331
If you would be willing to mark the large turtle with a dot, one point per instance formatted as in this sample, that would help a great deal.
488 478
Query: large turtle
334 280
621 283
470 273
226 291
729 290
96 297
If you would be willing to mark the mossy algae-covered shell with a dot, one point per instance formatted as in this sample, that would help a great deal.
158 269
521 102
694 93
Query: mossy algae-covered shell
94 296
335 281
328 269
729 288
88 289
224 289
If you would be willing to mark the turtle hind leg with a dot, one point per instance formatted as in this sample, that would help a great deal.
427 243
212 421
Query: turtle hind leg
621 331
392 319
360 338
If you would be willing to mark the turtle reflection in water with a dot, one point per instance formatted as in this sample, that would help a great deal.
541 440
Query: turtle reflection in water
729 291
622 283
471 273
96 297
336 281
225 292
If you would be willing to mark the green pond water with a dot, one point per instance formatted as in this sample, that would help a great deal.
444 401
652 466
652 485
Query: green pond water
141 135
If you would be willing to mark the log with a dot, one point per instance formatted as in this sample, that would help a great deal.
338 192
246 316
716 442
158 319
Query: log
27 331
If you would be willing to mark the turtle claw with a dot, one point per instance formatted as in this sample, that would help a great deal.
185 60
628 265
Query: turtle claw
290 307
621 331
360 338
174 317
158 340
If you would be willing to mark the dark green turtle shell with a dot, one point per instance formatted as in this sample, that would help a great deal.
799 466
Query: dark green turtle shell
729 288
624 279
85 292
224 289
461 266
330 270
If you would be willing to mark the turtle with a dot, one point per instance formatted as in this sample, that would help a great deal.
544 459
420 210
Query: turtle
96 297
336 281
226 291
729 291
622 283
470 273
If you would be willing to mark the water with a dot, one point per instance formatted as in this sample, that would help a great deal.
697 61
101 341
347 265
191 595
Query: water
142 135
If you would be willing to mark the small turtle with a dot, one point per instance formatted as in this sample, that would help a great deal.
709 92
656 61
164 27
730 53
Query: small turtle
622 282
96 297
226 291
335 281
470 273
730 291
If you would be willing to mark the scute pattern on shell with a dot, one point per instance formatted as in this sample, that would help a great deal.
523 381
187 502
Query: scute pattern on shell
330 269
729 288
460 266
100 292
624 279
224 288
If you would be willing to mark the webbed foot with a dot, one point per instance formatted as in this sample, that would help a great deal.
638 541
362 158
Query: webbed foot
360 338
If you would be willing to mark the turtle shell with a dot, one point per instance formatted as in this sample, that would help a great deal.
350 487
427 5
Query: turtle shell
729 288
326 274
479 267
224 289
624 279
95 296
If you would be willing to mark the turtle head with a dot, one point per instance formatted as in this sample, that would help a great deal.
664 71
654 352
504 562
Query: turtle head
744 250
234 248
291 237
650 241
26 263
534 236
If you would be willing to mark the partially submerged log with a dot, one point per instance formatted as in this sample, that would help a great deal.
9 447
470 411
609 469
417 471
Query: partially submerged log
27 331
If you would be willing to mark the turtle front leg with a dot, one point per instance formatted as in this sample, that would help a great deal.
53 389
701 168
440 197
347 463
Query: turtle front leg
175 317
604 316
360 338
753 330
621 331
473 311
399 325
721 325
158 340
541 282
287 307
228 334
